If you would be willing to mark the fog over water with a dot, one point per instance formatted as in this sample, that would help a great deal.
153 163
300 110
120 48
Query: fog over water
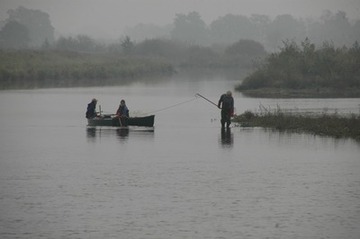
109 18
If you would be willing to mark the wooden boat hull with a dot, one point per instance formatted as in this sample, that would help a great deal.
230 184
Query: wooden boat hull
146 121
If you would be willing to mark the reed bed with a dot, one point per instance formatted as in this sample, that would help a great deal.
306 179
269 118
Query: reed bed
324 124
29 69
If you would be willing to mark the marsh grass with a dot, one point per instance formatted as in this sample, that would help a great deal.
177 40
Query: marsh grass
32 69
322 124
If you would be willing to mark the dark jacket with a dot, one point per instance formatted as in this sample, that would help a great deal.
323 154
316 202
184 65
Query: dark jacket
226 102
90 111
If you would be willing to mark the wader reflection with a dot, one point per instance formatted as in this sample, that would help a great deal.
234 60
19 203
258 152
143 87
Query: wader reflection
227 138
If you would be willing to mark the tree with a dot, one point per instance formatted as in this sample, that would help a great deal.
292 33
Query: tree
335 28
82 43
231 28
201 57
127 45
260 22
244 52
161 48
308 58
37 23
284 27
85 43
247 48
14 35
190 29
356 30
142 32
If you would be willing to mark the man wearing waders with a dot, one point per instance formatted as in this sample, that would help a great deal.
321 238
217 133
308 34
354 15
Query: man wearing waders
226 104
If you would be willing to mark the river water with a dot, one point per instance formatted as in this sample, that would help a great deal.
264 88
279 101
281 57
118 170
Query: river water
186 178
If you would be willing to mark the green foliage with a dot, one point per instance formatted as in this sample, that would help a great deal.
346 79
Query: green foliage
80 43
305 67
28 69
80 61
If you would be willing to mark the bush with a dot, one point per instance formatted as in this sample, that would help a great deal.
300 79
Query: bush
306 68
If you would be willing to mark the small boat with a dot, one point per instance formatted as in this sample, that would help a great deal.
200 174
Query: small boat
112 120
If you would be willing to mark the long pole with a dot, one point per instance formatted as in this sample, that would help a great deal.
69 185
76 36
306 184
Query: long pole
197 94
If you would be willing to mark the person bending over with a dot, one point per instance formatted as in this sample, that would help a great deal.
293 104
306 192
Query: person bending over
226 104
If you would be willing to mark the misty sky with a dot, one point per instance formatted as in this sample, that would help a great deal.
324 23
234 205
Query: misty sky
110 17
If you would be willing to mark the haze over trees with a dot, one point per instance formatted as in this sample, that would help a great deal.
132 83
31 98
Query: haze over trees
26 27
328 55
14 35
192 30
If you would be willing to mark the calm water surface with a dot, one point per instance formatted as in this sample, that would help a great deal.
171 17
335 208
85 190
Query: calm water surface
186 178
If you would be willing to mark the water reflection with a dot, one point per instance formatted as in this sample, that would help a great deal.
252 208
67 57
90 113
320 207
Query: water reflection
308 140
227 138
90 134
122 134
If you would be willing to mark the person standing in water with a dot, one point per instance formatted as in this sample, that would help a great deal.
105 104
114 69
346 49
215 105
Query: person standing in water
226 104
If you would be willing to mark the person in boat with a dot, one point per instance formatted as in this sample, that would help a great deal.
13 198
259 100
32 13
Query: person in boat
91 109
226 104
122 113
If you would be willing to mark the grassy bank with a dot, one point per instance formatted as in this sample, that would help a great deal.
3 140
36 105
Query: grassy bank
32 69
324 124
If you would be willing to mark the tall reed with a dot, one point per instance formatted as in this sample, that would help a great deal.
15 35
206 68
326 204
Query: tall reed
26 69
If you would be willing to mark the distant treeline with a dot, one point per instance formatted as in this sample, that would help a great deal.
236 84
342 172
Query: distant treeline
305 71
270 32
27 28
75 65
239 54
32 69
